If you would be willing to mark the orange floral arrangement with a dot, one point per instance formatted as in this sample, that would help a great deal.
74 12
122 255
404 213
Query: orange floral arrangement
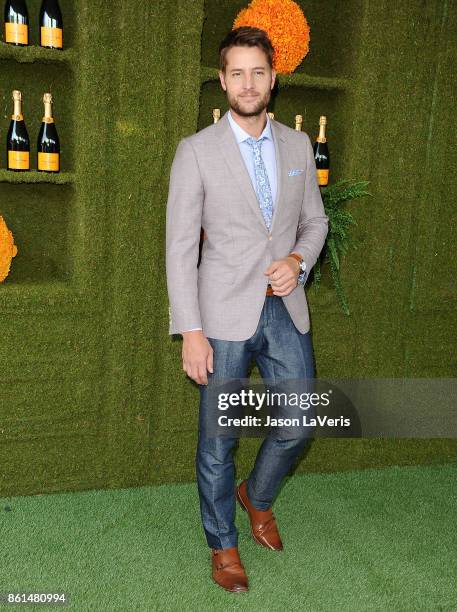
286 26
8 249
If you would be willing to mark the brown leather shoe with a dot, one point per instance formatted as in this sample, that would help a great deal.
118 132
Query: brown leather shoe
228 571
263 523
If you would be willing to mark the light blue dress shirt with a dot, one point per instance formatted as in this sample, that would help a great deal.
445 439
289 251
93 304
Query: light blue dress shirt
268 153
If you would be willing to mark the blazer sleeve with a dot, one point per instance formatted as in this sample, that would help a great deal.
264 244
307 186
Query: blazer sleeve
183 226
313 222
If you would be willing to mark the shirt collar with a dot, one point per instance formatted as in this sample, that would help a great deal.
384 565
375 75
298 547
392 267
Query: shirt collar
241 135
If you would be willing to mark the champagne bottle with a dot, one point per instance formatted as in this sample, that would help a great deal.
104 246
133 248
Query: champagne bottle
17 142
16 23
216 114
321 154
298 122
51 24
48 146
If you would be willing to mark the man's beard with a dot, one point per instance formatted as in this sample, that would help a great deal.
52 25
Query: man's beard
259 107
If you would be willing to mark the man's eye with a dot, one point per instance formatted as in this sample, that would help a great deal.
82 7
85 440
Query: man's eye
259 73
235 74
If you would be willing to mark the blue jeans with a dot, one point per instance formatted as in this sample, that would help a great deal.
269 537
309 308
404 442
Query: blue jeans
280 352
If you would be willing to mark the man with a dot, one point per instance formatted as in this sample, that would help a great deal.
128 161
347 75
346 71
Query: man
250 182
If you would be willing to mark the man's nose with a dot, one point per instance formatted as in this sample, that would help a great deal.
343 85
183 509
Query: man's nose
248 82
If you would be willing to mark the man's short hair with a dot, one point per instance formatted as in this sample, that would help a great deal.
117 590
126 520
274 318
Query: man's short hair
245 37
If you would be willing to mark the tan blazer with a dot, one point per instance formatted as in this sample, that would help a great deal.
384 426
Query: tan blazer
210 187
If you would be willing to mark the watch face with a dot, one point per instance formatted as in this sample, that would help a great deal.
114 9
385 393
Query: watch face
302 266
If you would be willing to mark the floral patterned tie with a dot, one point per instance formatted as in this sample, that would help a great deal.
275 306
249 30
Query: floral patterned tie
263 189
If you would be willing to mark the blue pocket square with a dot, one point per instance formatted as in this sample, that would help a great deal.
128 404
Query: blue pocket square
295 172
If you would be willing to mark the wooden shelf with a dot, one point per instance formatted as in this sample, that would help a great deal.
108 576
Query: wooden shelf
208 74
34 53
33 176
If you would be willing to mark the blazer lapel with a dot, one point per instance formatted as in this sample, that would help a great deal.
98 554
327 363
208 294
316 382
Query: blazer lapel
234 160
281 171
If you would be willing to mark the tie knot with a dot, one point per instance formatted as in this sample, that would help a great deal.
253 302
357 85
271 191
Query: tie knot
255 144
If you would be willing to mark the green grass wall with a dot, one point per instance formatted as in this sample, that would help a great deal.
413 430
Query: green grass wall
92 391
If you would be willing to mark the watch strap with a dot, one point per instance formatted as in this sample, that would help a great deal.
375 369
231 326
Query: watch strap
296 257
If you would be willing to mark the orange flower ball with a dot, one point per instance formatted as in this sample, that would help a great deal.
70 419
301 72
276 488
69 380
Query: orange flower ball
286 26
8 249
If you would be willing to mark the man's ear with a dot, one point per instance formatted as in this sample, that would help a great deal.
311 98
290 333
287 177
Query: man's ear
222 80
273 78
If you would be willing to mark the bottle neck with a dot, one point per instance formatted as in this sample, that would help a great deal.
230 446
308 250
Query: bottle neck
48 118
321 137
17 111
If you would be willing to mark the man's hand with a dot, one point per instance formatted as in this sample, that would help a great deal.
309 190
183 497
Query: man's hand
283 275
197 356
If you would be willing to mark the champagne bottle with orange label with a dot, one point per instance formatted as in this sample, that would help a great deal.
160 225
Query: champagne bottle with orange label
17 141
51 25
16 23
321 155
48 146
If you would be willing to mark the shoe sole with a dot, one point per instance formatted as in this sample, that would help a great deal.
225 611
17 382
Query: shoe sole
231 590
262 544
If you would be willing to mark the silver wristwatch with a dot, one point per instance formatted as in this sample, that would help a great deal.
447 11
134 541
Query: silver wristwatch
302 276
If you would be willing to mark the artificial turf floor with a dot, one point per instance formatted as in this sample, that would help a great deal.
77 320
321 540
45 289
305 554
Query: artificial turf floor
377 539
